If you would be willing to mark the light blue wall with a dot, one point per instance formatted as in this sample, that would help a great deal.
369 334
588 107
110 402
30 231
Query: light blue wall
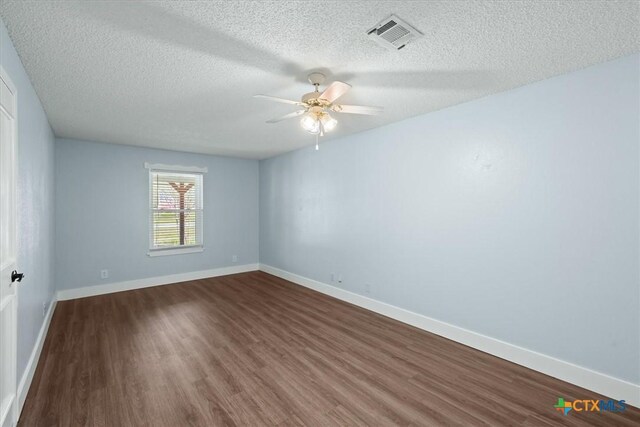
35 204
515 216
102 213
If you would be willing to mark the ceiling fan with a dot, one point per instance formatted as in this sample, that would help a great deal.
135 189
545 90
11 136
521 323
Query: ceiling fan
317 106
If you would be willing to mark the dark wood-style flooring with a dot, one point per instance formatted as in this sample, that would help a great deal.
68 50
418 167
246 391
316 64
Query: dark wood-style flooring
252 349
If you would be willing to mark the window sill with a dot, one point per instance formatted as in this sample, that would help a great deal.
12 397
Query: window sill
176 251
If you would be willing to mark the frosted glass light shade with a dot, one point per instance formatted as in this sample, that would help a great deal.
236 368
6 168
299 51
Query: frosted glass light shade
310 123
328 122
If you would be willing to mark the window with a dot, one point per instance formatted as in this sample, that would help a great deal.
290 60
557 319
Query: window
175 223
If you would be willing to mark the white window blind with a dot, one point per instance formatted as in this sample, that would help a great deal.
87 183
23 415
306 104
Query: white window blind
176 210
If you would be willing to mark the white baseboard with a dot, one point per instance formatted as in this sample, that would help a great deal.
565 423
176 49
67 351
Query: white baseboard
578 375
89 291
27 377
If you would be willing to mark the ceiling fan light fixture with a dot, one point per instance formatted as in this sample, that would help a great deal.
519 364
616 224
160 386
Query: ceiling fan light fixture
328 122
310 123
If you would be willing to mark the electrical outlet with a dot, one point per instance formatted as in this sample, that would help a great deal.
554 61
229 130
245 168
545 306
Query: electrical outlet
234 258
44 309
104 274
339 278
333 277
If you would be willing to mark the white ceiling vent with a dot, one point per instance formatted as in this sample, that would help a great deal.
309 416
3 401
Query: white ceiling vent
393 33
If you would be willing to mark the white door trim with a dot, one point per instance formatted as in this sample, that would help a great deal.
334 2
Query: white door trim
9 417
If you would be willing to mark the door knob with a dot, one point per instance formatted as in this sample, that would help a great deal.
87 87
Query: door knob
15 276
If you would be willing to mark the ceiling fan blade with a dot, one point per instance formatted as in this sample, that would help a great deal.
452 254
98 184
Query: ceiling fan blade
287 116
335 91
357 109
276 99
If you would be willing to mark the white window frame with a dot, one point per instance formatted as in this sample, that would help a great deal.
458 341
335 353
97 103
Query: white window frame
159 167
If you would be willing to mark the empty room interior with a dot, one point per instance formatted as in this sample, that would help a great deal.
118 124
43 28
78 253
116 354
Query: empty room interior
327 213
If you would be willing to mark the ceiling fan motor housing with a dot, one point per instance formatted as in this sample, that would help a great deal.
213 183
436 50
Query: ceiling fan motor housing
312 99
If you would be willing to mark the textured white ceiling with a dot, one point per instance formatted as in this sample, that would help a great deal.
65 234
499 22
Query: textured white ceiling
181 75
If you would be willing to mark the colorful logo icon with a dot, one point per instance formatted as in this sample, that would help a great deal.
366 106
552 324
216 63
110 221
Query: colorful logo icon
563 406
589 405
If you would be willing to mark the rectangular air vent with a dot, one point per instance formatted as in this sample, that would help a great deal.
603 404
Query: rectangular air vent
393 33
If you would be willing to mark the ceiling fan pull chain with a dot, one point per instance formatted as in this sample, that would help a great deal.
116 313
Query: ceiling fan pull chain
317 142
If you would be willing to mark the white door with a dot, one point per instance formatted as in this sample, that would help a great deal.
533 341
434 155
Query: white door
8 251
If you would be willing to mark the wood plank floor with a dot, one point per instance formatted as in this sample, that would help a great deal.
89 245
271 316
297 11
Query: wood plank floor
252 349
